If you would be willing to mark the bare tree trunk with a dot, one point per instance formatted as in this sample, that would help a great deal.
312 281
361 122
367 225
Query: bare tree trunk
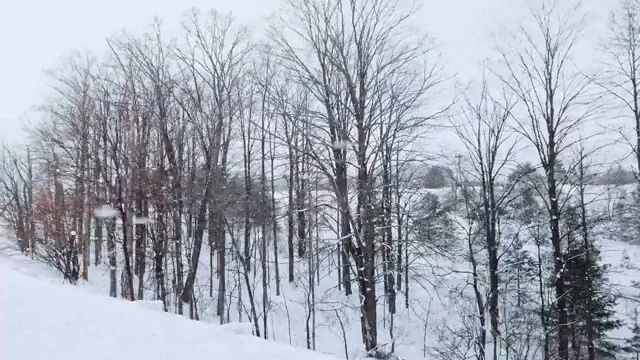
274 212
481 340
543 311
30 205
111 250
290 220
388 250
345 226
107 165
264 218
222 260
99 197
127 233
301 205
399 221
84 221
141 244
159 255
247 199
244 273
310 322
211 238
201 219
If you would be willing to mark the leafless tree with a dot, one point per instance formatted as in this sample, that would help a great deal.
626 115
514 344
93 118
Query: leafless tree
555 101
16 197
620 78
338 50
218 48
484 132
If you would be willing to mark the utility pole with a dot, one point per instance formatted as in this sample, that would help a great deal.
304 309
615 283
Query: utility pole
457 181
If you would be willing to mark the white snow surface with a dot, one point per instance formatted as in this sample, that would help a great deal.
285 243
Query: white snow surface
42 319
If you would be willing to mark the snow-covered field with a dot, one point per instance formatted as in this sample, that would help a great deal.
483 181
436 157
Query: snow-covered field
40 318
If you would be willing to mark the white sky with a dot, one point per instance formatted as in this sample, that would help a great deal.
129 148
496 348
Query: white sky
34 34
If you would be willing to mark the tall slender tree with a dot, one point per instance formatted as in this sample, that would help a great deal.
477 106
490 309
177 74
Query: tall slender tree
554 103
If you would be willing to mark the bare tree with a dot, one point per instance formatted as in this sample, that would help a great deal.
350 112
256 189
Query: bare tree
16 197
291 102
555 103
621 76
484 133
340 55
352 79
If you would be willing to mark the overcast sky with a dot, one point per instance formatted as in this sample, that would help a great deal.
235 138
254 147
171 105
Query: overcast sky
34 34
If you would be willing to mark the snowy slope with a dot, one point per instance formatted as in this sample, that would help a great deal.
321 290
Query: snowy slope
41 319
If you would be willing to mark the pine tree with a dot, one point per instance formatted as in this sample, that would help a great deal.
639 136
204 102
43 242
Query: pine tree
591 306
632 344
519 270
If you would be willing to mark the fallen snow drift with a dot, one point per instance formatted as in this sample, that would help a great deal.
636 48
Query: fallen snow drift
45 320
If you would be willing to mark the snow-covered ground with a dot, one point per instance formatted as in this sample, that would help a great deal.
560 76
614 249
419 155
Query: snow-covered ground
40 318
35 308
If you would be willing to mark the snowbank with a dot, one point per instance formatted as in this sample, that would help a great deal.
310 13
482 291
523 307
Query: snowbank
44 320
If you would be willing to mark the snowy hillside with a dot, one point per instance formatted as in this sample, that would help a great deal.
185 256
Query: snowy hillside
440 296
41 319
325 182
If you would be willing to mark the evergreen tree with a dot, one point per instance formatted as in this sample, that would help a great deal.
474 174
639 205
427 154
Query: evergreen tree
632 344
519 273
590 304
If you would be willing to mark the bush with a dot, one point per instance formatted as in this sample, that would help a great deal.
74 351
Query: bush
61 256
